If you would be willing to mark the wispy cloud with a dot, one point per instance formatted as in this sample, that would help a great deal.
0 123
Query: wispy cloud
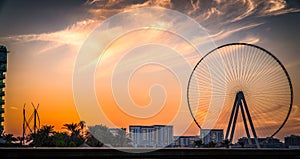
214 14
226 33
211 12
248 10
276 7
195 6
73 36
234 11
251 40
103 9
223 17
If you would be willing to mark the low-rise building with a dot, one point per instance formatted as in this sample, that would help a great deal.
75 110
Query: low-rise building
151 136
211 135
185 141
292 141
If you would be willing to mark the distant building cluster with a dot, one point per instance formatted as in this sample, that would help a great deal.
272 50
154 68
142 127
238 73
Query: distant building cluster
159 136
292 141
162 136
151 136
268 142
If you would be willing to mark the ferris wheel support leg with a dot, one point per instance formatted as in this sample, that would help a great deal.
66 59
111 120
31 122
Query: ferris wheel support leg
234 121
231 117
245 123
250 122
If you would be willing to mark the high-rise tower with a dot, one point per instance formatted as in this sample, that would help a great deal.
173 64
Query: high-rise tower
3 62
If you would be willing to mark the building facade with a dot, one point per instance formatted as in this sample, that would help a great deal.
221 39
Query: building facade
185 141
292 141
211 135
151 136
3 62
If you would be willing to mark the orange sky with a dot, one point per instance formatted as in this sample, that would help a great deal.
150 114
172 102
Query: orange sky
158 62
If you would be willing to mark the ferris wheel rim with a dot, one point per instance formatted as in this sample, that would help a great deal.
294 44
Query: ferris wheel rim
265 51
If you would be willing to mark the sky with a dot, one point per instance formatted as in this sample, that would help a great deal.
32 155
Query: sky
45 39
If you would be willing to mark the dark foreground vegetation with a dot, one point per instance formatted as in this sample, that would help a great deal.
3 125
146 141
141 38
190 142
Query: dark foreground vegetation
79 135
73 135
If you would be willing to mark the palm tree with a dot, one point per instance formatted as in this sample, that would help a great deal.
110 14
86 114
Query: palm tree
76 132
72 128
60 139
47 130
81 124
92 141
122 138
83 129
42 137
100 135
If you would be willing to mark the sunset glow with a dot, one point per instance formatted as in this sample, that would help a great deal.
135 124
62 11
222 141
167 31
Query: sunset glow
141 77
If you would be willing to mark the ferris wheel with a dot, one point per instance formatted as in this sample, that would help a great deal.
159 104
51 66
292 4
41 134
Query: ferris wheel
241 88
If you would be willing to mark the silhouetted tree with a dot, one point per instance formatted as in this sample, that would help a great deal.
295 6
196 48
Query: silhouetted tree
226 143
198 143
121 139
43 136
92 141
102 134
211 144
60 139
9 139
72 128
242 143
76 132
